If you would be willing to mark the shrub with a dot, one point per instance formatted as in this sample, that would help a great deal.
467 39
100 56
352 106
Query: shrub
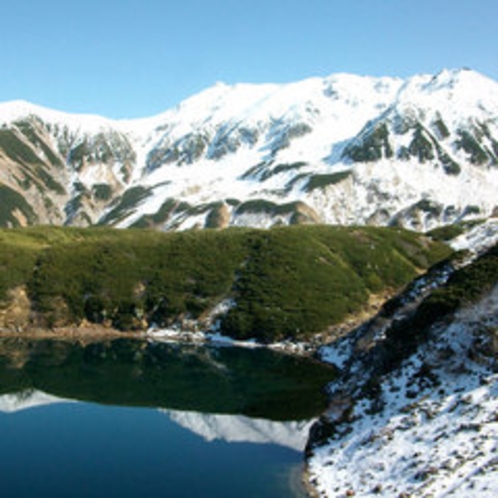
286 282
372 145
322 181
12 201
464 287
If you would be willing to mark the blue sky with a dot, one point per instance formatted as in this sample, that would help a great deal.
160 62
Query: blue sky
136 58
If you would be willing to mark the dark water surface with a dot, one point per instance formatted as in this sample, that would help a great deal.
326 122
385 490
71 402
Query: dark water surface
129 418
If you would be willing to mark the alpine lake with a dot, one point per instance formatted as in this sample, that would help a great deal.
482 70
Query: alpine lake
132 418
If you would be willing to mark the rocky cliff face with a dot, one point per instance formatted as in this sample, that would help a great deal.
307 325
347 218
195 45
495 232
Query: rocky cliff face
344 149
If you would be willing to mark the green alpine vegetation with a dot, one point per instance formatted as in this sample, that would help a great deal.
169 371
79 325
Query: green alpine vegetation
372 145
324 180
465 287
11 203
447 232
286 282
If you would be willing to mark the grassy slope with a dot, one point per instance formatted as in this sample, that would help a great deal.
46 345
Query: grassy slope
287 282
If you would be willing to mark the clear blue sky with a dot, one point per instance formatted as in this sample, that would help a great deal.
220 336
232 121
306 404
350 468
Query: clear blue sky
136 58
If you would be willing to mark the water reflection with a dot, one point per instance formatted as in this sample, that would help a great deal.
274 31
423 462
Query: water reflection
202 400
15 402
210 427
240 429
257 384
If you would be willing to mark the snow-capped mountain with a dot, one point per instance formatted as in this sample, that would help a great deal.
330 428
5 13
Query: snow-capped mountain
343 149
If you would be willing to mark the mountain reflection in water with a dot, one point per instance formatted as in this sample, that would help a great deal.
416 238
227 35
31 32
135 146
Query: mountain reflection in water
258 384
211 427
201 398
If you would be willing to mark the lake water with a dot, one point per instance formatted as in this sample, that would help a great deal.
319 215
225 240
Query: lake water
136 419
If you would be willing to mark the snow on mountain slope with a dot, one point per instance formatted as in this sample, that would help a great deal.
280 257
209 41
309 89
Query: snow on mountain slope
19 109
241 429
478 239
345 149
426 428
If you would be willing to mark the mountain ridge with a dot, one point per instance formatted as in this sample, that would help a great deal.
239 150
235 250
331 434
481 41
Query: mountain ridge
344 149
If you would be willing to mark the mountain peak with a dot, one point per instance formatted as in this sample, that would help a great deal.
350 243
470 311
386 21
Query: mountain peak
16 110
342 149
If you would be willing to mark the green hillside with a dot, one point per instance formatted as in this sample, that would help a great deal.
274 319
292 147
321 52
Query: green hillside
286 282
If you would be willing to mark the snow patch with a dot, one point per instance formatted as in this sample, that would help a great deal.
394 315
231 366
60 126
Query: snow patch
431 427
479 238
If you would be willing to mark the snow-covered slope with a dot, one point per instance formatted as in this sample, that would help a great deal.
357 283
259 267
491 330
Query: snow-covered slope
478 238
422 422
342 149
